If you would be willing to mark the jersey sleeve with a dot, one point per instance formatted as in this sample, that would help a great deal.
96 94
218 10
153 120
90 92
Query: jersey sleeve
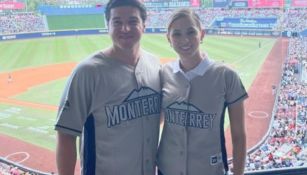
75 103
235 90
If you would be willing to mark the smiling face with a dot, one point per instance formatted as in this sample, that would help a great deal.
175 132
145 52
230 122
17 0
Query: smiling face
126 27
185 35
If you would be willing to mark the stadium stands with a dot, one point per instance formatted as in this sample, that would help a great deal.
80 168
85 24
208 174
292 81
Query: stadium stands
45 20
286 144
10 168
293 20
158 18
21 23
72 2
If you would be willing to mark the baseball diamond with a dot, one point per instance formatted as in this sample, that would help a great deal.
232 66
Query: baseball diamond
42 42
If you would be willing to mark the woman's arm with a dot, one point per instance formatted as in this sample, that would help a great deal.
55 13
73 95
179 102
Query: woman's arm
66 154
238 133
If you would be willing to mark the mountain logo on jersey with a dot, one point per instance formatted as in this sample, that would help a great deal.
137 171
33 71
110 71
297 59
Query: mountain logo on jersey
139 103
188 115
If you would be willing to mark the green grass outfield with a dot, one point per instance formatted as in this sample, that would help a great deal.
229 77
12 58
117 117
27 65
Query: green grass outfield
36 126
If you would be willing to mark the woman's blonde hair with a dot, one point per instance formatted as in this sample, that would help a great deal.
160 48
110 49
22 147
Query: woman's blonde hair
181 13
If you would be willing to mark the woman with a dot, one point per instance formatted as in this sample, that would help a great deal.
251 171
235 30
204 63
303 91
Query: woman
196 92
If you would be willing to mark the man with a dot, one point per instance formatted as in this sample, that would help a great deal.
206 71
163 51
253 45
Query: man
112 100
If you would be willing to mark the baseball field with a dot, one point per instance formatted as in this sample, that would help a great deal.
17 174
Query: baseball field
40 67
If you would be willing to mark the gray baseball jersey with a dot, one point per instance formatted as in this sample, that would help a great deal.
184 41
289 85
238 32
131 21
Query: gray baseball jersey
115 108
193 140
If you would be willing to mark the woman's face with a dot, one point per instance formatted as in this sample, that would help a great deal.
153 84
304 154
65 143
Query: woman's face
185 36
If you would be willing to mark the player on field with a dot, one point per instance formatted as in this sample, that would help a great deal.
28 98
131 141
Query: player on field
196 91
112 101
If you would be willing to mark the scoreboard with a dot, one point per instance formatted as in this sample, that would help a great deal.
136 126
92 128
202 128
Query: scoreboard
299 3
265 3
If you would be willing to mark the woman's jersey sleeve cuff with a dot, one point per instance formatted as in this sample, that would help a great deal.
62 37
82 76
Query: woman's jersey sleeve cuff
242 97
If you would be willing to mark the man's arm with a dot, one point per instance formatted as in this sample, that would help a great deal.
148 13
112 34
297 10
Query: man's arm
66 154
238 134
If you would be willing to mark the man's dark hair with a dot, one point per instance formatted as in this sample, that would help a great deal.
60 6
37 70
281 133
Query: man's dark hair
120 3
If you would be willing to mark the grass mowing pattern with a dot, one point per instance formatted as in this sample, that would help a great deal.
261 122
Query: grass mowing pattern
47 93
33 126
32 53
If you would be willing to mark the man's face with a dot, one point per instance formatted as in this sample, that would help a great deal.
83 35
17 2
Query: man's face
126 27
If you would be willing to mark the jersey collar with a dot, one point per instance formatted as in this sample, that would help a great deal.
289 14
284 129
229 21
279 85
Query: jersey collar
199 70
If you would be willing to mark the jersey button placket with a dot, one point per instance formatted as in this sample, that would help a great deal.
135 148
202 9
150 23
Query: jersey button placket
146 144
148 166
138 75
188 91
181 153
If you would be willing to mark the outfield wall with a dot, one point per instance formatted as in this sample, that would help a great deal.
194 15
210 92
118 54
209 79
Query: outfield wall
211 31
72 22
52 34
77 32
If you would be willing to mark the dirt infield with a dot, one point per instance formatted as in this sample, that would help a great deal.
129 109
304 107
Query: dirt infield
258 106
14 149
27 78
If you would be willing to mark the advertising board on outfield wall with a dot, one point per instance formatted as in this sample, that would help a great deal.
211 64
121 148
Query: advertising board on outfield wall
170 4
212 31
245 23
275 3
11 5
265 3
220 3
52 34
299 3
239 4
254 3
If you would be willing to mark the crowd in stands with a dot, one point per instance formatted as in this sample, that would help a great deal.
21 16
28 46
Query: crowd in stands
21 23
295 20
73 2
290 19
6 169
11 168
286 144
158 18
